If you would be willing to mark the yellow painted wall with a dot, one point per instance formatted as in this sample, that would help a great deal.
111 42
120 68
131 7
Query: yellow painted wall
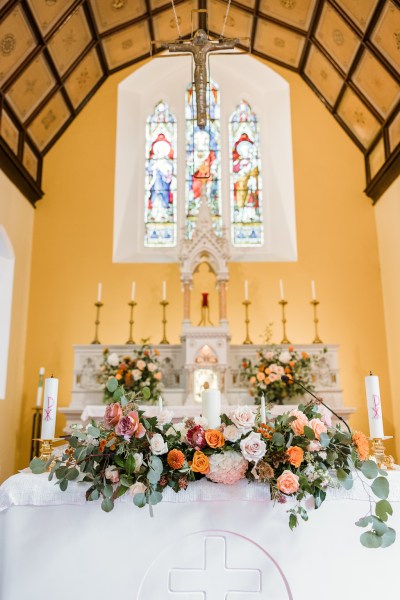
337 246
387 213
16 216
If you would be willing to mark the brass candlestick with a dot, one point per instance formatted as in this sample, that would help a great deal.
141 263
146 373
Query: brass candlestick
164 304
317 339
285 338
132 304
46 449
36 429
98 306
246 304
378 453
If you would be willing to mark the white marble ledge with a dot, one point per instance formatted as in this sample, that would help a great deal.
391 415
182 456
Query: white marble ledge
26 489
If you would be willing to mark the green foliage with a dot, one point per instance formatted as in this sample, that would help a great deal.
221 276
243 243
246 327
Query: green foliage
309 433
369 469
380 487
38 466
112 385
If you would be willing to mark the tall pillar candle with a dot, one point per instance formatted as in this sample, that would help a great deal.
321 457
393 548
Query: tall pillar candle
211 407
262 410
374 406
49 408
39 392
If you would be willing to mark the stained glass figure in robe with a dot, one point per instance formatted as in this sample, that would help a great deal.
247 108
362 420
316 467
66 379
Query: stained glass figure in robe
160 180
203 158
245 170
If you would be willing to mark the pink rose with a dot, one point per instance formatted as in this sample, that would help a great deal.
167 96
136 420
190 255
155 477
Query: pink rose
141 364
300 422
130 425
269 355
112 474
326 418
196 437
112 415
151 367
273 377
314 446
288 482
243 417
253 447
318 427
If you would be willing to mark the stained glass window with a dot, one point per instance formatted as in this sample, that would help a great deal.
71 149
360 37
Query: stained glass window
245 174
203 158
160 181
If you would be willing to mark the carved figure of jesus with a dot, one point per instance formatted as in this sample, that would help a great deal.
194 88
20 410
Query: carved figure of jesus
200 47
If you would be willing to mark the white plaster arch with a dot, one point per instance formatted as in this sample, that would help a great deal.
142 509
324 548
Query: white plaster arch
240 77
7 260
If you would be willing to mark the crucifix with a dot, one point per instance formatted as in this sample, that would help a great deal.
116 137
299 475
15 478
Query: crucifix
200 47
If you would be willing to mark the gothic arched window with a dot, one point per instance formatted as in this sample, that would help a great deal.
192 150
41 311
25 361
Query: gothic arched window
160 208
203 158
245 177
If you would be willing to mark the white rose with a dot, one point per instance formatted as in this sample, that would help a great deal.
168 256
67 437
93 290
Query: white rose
202 421
269 355
138 456
243 417
113 360
112 474
151 367
163 417
232 433
253 447
137 488
285 357
136 374
158 445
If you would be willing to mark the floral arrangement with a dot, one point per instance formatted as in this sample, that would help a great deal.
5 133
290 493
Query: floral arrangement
131 374
264 377
299 455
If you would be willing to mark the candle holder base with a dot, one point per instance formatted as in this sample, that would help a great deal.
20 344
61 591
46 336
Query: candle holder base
383 460
46 449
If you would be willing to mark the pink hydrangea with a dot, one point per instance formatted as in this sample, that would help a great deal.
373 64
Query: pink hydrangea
227 467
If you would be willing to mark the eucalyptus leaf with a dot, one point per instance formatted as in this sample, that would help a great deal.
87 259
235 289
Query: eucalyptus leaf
63 484
378 526
383 508
156 464
72 474
94 495
124 401
139 500
278 439
117 395
112 384
61 472
130 464
107 505
155 497
292 521
369 539
146 393
93 431
364 521
108 490
325 440
309 433
73 441
37 466
388 538
380 487
369 469
80 453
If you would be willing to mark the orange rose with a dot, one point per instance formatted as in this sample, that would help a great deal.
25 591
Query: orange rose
214 438
305 355
260 376
362 446
175 459
200 463
292 363
291 348
295 455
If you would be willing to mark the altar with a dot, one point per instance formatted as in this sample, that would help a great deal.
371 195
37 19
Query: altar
210 542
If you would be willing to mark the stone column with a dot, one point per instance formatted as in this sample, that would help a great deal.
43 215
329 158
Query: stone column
222 301
186 301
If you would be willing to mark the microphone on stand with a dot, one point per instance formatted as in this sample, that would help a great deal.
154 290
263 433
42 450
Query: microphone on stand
286 379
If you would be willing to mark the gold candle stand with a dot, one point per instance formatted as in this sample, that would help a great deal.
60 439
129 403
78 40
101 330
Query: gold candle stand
378 453
285 338
46 449
317 339
246 304
164 304
98 306
132 304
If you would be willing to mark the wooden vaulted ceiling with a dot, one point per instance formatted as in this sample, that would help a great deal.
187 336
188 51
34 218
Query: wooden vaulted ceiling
55 54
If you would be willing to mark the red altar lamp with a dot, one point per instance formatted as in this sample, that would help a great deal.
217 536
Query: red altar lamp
205 310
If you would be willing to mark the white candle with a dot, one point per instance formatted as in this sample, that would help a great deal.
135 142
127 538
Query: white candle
281 289
211 407
246 290
159 404
40 388
49 408
133 290
374 406
313 292
164 290
262 414
99 288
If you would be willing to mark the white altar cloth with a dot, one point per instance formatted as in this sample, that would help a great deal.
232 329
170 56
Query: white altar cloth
212 542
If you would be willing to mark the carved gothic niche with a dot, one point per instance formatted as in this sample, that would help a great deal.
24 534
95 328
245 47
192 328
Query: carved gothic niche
206 356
